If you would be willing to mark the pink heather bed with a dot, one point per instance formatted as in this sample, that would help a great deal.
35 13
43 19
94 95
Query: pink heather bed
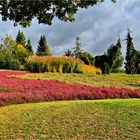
26 91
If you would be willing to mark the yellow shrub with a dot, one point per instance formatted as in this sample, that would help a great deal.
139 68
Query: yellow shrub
87 69
20 48
61 64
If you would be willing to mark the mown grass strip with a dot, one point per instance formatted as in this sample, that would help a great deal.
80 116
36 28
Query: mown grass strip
106 119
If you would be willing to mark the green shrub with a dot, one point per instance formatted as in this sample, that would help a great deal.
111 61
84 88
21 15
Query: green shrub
9 62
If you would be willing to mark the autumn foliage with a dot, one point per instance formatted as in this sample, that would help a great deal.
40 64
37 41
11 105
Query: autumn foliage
61 64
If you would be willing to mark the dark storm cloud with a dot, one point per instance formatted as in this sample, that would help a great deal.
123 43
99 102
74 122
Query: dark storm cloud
97 26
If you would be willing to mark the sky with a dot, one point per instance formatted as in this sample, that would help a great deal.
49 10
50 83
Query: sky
98 27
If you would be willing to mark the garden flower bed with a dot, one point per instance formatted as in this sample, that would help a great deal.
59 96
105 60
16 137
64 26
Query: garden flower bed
27 91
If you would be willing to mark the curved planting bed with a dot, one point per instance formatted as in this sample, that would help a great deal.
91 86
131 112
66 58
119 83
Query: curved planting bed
14 91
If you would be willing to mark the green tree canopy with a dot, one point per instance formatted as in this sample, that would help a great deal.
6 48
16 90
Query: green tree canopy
138 62
102 62
23 11
131 57
20 39
8 59
43 49
115 58
29 46
86 57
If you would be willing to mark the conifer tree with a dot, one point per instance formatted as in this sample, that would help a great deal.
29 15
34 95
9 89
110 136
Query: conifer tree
20 39
68 53
29 46
115 58
111 55
43 49
77 47
119 58
86 57
131 57
138 62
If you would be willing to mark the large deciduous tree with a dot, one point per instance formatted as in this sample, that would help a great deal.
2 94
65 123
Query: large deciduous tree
23 11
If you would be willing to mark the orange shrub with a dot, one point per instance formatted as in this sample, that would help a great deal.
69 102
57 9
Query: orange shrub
88 69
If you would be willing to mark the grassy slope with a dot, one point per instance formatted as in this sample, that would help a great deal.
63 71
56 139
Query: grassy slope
106 119
112 80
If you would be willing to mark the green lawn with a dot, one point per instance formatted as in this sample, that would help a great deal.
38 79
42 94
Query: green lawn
76 120
111 80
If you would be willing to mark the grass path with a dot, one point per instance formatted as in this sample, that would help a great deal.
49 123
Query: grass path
99 119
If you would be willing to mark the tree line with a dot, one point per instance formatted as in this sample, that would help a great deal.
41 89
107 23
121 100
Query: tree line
14 53
112 60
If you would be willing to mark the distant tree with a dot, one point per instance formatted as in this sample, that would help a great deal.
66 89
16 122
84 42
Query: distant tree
29 46
102 62
77 48
21 53
43 49
20 39
86 57
138 62
7 56
111 55
119 58
8 42
106 68
131 57
115 58
68 53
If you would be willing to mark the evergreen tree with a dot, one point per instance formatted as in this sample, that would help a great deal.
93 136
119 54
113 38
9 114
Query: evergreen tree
86 57
43 49
138 62
68 53
77 47
111 55
115 58
106 68
20 39
29 46
131 57
119 58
